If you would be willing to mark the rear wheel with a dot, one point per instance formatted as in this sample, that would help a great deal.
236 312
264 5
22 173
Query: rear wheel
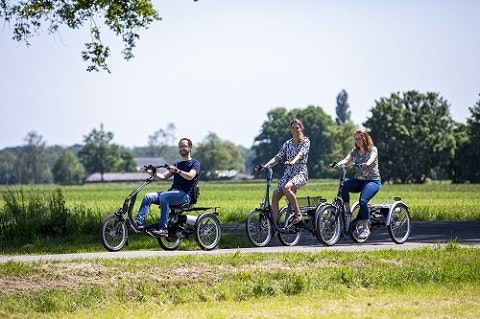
292 236
328 225
259 228
113 233
207 231
399 227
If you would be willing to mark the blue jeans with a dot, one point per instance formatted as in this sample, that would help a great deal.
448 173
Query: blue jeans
366 188
164 199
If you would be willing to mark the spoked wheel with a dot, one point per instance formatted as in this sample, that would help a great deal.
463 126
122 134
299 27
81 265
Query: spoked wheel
399 227
113 233
259 228
207 231
327 225
356 227
170 242
292 235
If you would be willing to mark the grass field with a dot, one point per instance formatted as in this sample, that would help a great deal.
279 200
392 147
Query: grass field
435 282
436 200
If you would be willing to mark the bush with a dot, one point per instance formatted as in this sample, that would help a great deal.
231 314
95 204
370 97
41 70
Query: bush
26 216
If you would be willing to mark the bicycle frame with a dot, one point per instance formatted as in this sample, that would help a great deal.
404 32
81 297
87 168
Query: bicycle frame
266 205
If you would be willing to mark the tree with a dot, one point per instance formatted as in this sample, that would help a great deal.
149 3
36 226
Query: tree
217 155
465 163
341 138
98 154
124 18
67 169
9 170
342 109
275 131
126 162
414 134
474 132
33 164
159 141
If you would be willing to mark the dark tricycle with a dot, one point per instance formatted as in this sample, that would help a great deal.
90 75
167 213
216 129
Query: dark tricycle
184 220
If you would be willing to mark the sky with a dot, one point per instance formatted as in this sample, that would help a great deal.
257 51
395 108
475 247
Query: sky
219 66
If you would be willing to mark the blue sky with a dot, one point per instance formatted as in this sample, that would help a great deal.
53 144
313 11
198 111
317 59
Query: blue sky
220 65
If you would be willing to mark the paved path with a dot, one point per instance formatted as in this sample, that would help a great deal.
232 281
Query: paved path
423 234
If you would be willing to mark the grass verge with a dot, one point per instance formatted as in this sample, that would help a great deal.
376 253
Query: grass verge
387 284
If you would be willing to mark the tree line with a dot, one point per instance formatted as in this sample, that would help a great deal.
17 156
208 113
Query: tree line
414 132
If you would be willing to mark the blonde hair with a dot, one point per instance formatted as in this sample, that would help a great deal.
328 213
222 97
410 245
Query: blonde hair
366 140
297 121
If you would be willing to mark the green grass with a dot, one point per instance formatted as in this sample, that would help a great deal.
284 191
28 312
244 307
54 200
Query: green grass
37 229
387 284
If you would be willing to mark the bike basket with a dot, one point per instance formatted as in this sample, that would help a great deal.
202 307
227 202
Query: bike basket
310 201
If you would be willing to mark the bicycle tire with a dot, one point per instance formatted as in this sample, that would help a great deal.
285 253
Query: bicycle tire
327 225
399 227
259 228
207 231
287 238
356 227
170 242
113 233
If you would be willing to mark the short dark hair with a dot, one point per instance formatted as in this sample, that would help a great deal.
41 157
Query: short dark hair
188 141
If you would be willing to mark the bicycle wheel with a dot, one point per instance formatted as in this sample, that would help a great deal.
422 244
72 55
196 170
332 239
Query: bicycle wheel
170 242
356 226
327 224
292 236
259 228
207 231
399 226
113 233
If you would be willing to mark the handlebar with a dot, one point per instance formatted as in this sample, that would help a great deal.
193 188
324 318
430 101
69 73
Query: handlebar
152 169
335 165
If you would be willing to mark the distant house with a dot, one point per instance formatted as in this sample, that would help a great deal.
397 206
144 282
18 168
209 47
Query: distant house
127 176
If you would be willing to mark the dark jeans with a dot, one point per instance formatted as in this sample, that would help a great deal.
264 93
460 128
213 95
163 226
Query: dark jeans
366 188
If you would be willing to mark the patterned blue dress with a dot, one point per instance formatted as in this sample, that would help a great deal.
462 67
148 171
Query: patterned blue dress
298 173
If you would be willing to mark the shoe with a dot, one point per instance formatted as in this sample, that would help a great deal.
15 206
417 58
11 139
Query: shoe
138 225
162 231
364 234
296 219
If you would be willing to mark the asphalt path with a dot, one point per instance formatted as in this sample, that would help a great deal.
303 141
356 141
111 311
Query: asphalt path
423 234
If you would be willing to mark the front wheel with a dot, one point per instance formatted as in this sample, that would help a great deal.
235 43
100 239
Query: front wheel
327 225
170 242
259 228
207 231
356 226
288 238
399 227
113 233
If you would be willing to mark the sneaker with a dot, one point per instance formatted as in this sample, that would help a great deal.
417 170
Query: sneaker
139 224
162 231
364 234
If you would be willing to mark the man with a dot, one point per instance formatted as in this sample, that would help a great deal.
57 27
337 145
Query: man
184 173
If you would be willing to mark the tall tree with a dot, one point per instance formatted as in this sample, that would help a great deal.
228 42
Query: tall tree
124 18
33 164
98 154
160 140
474 131
342 109
217 155
414 133
465 162
9 169
276 130
67 169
